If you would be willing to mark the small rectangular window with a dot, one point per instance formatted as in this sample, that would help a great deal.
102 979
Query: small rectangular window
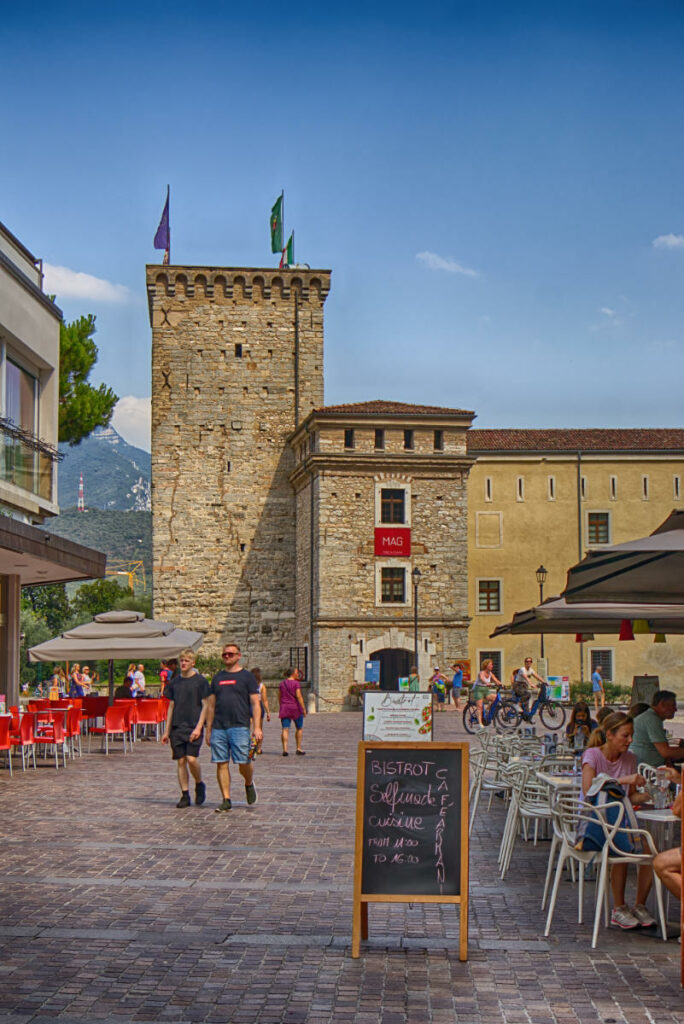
349 438
494 656
488 488
393 584
238 351
408 440
312 441
392 505
598 528
603 659
583 486
552 488
438 441
379 440
489 595
676 487
644 488
613 488
520 489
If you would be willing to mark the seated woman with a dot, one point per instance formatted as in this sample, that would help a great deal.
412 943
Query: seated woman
608 753
580 726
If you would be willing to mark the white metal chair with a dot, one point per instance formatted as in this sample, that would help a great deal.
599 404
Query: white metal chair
567 810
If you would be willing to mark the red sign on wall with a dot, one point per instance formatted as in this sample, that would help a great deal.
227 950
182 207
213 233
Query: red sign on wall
392 541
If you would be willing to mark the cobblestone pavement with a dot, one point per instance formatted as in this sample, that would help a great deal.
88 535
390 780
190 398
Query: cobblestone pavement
120 908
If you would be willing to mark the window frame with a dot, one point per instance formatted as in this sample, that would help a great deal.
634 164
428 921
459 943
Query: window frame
349 439
391 484
409 440
379 439
608 677
395 564
496 655
438 440
392 504
598 512
499 592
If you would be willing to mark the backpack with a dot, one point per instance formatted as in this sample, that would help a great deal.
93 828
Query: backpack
605 793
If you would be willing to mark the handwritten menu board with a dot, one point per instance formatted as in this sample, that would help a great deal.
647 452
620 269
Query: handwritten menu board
397 717
411 829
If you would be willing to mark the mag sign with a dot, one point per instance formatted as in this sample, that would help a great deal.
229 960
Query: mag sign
411 830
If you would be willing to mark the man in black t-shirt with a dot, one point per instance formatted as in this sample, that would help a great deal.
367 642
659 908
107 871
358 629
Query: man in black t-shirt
233 701
188 693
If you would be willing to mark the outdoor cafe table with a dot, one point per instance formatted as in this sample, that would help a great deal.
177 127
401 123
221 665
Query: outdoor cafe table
661 824
556 781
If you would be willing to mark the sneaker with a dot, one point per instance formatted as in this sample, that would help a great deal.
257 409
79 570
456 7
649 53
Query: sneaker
642 915
624 918
184 800
200 793
225 805
251 794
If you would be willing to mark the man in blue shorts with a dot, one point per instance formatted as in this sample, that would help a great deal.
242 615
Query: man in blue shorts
233 700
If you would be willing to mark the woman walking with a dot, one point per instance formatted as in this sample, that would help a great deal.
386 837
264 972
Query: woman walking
291 709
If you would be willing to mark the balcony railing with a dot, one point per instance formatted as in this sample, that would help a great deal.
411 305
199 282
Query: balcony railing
26 460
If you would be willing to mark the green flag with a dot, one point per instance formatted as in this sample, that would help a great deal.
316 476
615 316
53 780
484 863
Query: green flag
277 225
287 258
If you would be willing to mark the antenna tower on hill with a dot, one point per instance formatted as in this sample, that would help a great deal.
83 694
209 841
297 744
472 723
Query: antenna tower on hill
81 497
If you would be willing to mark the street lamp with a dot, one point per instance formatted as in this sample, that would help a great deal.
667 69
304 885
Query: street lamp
541 575
415 579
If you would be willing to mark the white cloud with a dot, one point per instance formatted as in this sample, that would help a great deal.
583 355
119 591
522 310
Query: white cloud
435 262
132 419
669 242
74 284
607 311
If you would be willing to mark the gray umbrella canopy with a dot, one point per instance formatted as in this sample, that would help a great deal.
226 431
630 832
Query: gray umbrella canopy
649 570
557 616
119 634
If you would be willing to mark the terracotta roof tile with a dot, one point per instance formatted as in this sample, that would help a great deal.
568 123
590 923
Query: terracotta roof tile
383 408
571 439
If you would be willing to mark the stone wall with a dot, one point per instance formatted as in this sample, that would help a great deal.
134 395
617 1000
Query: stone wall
225 397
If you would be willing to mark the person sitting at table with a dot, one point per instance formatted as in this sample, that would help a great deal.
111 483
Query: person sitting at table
603 713
581 725
638 709
668 864
125 692
608 753
650 744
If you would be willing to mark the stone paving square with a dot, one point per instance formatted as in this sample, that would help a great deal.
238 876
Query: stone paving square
117 907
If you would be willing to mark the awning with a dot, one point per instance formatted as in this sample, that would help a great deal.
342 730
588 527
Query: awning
37 556
557 616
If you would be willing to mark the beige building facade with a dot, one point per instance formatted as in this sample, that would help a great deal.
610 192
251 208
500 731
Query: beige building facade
543 498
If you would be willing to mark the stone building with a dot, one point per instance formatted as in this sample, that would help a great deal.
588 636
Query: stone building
381 490
268 508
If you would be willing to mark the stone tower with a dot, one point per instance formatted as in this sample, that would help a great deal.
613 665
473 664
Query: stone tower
237 364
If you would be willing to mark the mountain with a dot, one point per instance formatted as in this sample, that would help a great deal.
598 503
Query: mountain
124 536
116 475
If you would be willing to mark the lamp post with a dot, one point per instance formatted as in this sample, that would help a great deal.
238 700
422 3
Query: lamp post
541 575
415 579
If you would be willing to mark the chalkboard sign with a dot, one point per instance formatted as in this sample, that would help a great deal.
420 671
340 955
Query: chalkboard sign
411 829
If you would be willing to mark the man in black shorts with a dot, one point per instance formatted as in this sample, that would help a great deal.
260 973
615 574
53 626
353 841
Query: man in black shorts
188 693
234 700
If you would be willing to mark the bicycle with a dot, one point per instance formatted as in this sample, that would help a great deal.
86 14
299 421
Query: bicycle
551 714
503 713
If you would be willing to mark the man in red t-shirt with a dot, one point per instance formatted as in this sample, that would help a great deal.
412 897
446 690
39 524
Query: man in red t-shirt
233 701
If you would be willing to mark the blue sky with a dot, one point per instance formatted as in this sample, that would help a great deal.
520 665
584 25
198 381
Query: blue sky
497 191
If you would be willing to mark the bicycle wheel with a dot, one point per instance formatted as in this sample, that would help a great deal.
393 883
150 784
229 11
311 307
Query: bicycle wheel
552 715
507 716
470 720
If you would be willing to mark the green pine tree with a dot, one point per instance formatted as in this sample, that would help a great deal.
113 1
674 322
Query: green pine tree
82 407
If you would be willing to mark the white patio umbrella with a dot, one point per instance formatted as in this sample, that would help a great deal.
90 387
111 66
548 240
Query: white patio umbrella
649 570
117 634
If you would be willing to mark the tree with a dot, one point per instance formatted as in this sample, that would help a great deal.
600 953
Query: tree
50 604
93 598
82 407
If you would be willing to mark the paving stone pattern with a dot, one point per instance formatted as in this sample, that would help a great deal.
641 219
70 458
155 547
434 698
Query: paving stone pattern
120 908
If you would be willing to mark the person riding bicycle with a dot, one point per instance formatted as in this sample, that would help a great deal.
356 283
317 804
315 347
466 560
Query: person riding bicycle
520 681
481 690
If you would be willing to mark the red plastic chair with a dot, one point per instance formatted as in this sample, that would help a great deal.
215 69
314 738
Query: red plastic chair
5 741
94 708
117 722
53 735
73 730
23 738
147 712
131 704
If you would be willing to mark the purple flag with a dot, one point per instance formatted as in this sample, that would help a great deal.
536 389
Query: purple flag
162 240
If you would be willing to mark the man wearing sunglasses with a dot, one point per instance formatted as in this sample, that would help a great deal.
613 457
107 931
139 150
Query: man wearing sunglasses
233 700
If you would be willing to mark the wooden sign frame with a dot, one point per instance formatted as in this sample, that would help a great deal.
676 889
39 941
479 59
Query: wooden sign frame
362 899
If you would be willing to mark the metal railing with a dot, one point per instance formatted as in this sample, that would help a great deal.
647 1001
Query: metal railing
26 461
